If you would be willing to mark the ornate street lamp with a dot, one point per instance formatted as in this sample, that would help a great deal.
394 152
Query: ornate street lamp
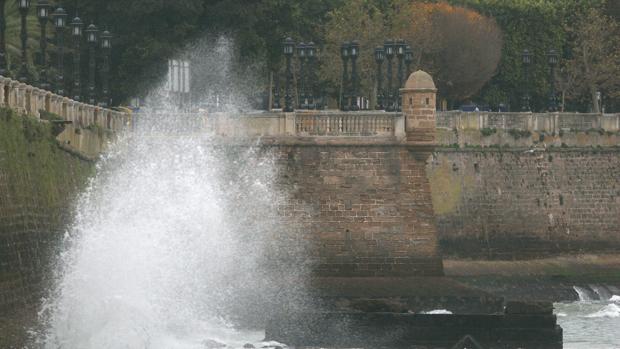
24 7
60 22
408 60
301 94
379 57
389 54
344 54
400 53
4 69
526 58
288 47
92 37
76 32
355 51
310 80
43 13
553 62
276 92
106 47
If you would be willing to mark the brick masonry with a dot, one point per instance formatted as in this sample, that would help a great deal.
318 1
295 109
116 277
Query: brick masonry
520 204
38 183
366 209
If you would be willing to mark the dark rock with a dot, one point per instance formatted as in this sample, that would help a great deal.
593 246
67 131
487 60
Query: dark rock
378 306
248 346
515 307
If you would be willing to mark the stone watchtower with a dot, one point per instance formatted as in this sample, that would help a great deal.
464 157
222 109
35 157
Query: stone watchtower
419 98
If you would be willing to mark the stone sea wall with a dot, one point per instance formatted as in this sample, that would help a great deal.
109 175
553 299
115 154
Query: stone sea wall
39 182
526 203
366 208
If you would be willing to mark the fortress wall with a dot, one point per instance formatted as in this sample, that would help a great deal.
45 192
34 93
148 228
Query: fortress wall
366 209
519 204
38 184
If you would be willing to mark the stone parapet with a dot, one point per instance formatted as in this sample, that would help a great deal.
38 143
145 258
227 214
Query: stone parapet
29 100
549 122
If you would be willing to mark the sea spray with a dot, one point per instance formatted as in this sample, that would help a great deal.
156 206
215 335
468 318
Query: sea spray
177 240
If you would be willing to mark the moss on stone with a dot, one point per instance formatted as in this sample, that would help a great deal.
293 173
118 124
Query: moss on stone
38 185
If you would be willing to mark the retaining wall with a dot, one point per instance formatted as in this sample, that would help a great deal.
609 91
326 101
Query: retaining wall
520 203
38 183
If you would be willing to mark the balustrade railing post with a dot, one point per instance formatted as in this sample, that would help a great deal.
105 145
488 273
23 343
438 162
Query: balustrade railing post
35 102
3 82
21 98
63 107
13 93
28 100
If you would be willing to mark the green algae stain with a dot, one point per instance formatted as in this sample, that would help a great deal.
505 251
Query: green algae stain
448 181
35 174
445 191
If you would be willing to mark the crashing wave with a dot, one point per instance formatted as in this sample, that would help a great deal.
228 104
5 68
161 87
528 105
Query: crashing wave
437 311
609 311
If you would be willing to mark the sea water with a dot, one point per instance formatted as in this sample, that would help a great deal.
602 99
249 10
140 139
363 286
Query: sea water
591 322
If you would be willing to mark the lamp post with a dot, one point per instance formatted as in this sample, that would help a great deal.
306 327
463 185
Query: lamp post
400 53
4 69
301 94
76 32
344 54
91 37
43 13
276 92
288 47
379 57
355 50
553 62
24 6
310 80
60 22
408 60
526 58
389 54
106 47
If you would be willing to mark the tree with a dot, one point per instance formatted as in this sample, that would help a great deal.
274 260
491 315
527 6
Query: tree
595 61
613 8
13 40
368 28
535 25
460 47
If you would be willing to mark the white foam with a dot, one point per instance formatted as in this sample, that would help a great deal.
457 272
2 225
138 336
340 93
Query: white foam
582 293
609 311
272 344
437 311
615 298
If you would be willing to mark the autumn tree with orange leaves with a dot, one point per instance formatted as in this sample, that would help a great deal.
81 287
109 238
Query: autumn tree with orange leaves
459 47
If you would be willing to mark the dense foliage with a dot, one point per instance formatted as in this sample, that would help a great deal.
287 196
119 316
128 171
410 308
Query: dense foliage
459 47
445 40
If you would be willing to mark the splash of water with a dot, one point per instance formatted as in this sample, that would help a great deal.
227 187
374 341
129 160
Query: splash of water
176 241
582 293
592 321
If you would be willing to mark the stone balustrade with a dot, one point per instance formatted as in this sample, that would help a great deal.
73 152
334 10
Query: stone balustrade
548 122
311 123
31 101
378 124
